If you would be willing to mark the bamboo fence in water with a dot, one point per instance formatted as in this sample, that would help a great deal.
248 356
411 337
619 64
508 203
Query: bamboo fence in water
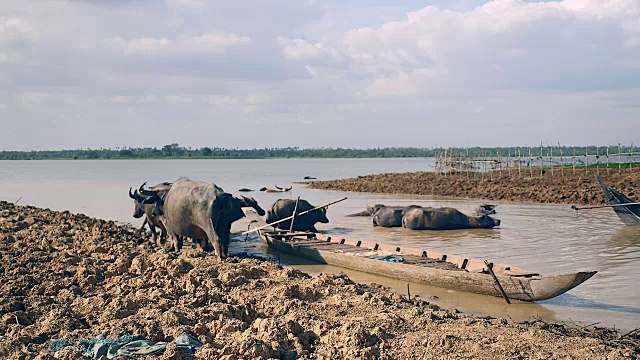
521 162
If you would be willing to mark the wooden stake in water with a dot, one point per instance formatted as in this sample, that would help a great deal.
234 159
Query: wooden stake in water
586 160
530 164
607 158
619 158
541 159
509 160
630 155
550 158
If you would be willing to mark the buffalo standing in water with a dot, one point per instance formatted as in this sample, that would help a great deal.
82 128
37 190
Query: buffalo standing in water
283 208
203 211
148 203
390 216
444 219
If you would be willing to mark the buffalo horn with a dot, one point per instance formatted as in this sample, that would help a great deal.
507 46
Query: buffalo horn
131 195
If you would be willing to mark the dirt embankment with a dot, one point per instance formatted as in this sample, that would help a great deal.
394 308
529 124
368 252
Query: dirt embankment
71 276
570 188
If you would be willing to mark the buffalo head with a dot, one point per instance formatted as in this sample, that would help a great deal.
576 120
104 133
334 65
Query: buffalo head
138 209
487 222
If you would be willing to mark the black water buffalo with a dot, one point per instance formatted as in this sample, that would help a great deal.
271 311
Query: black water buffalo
203 212
390 216
148 203
245 190
369 212
283 208
200 211
444 219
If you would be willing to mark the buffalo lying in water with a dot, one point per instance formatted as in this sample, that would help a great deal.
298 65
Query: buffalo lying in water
203 211
149 203
390 216
444 219
283 208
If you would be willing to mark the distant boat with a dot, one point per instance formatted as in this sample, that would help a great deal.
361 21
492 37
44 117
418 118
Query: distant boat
629 214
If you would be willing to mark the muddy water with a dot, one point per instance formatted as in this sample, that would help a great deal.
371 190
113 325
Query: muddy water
543 238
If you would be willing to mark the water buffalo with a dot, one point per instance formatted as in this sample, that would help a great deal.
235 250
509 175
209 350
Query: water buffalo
283 208
245 190
264 189
200 211
444 219
369 212
390 216
149 203
205 213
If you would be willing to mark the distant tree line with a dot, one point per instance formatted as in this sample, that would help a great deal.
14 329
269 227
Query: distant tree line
179 152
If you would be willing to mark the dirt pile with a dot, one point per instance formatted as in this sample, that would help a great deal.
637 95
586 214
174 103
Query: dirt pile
70 276
570 188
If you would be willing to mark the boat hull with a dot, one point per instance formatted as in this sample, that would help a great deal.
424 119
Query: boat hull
527 288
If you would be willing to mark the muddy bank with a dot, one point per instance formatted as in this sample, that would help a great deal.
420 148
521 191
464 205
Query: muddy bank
570 188
70 276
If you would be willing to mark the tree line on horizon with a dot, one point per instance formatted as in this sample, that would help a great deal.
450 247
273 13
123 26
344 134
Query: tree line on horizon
179 152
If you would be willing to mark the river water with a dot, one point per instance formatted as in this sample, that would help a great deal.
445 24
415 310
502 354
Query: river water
540 237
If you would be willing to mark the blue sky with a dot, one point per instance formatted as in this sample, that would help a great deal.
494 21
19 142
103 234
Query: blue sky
259 73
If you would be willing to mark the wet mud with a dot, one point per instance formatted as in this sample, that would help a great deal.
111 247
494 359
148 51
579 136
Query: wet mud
560 188
69 276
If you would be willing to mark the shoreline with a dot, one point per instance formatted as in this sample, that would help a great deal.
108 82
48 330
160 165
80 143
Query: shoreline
569 188
70 276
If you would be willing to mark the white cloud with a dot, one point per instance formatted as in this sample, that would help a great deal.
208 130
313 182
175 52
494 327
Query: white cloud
299 49
212 43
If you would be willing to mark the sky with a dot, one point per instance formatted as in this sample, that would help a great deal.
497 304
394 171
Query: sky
310 73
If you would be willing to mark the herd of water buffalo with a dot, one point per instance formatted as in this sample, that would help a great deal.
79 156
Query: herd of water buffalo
204 212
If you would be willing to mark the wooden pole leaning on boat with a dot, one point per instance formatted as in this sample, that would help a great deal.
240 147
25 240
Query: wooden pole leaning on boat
290 217
574 207
495 278
295 210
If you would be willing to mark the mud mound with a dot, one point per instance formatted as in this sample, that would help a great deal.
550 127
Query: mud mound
570 188
70 276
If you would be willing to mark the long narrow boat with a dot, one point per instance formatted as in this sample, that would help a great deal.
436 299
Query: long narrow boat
420 266
629 214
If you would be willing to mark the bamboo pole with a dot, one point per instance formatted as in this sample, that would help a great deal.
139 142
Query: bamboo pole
573 161
561 160
295 210
586 160
597 160
630 152
607 158
509 160
619 159
519 162
541 159
574 207
495 278
530 163
551 158
290 217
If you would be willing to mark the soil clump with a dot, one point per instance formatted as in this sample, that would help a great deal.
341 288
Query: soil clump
69 276
569 188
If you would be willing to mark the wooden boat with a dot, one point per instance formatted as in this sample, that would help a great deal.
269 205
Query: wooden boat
629 214
420 266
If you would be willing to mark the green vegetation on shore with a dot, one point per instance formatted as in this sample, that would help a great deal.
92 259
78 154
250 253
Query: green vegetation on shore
175 151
